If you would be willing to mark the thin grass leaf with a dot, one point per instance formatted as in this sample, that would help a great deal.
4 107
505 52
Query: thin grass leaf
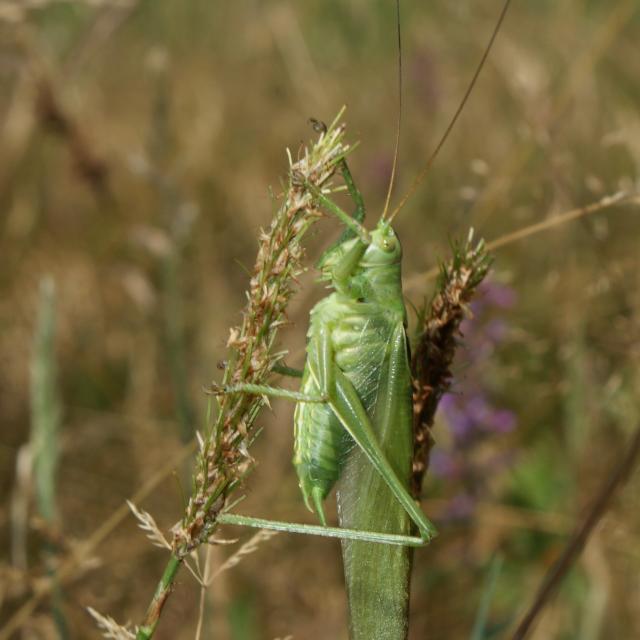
488 591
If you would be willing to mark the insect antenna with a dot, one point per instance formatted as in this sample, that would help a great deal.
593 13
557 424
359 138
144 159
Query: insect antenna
396 150
425 170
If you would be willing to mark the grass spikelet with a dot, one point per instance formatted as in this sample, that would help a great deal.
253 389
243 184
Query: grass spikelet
437 340
109 627
148 524
246 549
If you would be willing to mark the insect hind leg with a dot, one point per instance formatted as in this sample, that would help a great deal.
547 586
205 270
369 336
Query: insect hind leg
320 530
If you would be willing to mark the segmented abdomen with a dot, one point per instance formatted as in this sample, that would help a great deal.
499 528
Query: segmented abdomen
359 345
320 443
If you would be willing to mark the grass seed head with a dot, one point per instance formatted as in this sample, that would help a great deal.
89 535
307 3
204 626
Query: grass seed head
223 459
437 341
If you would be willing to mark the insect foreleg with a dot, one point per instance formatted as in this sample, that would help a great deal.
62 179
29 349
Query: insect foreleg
354 192
358 214
342 271
335 210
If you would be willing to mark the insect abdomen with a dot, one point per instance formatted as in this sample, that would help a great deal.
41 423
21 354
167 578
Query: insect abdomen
319 448
322 445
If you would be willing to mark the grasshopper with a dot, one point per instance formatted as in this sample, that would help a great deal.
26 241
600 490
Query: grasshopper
356 384
354 411
354 416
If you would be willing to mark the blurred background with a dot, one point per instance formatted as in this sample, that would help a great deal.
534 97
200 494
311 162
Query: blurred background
138 141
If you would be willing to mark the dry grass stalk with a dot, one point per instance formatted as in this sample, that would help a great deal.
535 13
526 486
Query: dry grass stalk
620 473
223 458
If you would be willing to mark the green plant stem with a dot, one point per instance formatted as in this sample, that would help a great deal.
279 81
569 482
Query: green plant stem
45 405
152 617
57 599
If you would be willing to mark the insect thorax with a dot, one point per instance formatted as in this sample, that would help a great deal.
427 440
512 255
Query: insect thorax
377 278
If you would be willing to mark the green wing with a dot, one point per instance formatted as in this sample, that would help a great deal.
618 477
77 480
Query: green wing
377 577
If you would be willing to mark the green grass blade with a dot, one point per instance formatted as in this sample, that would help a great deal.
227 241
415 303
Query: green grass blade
46 415
45 405
488 591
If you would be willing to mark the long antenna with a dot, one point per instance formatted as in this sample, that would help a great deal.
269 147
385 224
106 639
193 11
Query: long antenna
425 170
396 151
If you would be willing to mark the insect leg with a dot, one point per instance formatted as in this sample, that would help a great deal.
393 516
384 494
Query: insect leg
263 390
343 269
284 370
335 210
358 214
348 407
354 192
320 530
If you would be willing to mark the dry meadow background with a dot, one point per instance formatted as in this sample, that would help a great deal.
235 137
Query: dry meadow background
138 141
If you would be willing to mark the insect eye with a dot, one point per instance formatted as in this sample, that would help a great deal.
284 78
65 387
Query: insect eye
388 244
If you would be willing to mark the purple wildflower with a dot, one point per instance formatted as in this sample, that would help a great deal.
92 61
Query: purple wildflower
470 412
443 465
498 295
461 507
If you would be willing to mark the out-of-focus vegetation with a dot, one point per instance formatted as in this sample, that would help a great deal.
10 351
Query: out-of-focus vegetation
137 143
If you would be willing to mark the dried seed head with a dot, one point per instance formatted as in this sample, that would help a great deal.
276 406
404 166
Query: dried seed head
223 459
437 341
